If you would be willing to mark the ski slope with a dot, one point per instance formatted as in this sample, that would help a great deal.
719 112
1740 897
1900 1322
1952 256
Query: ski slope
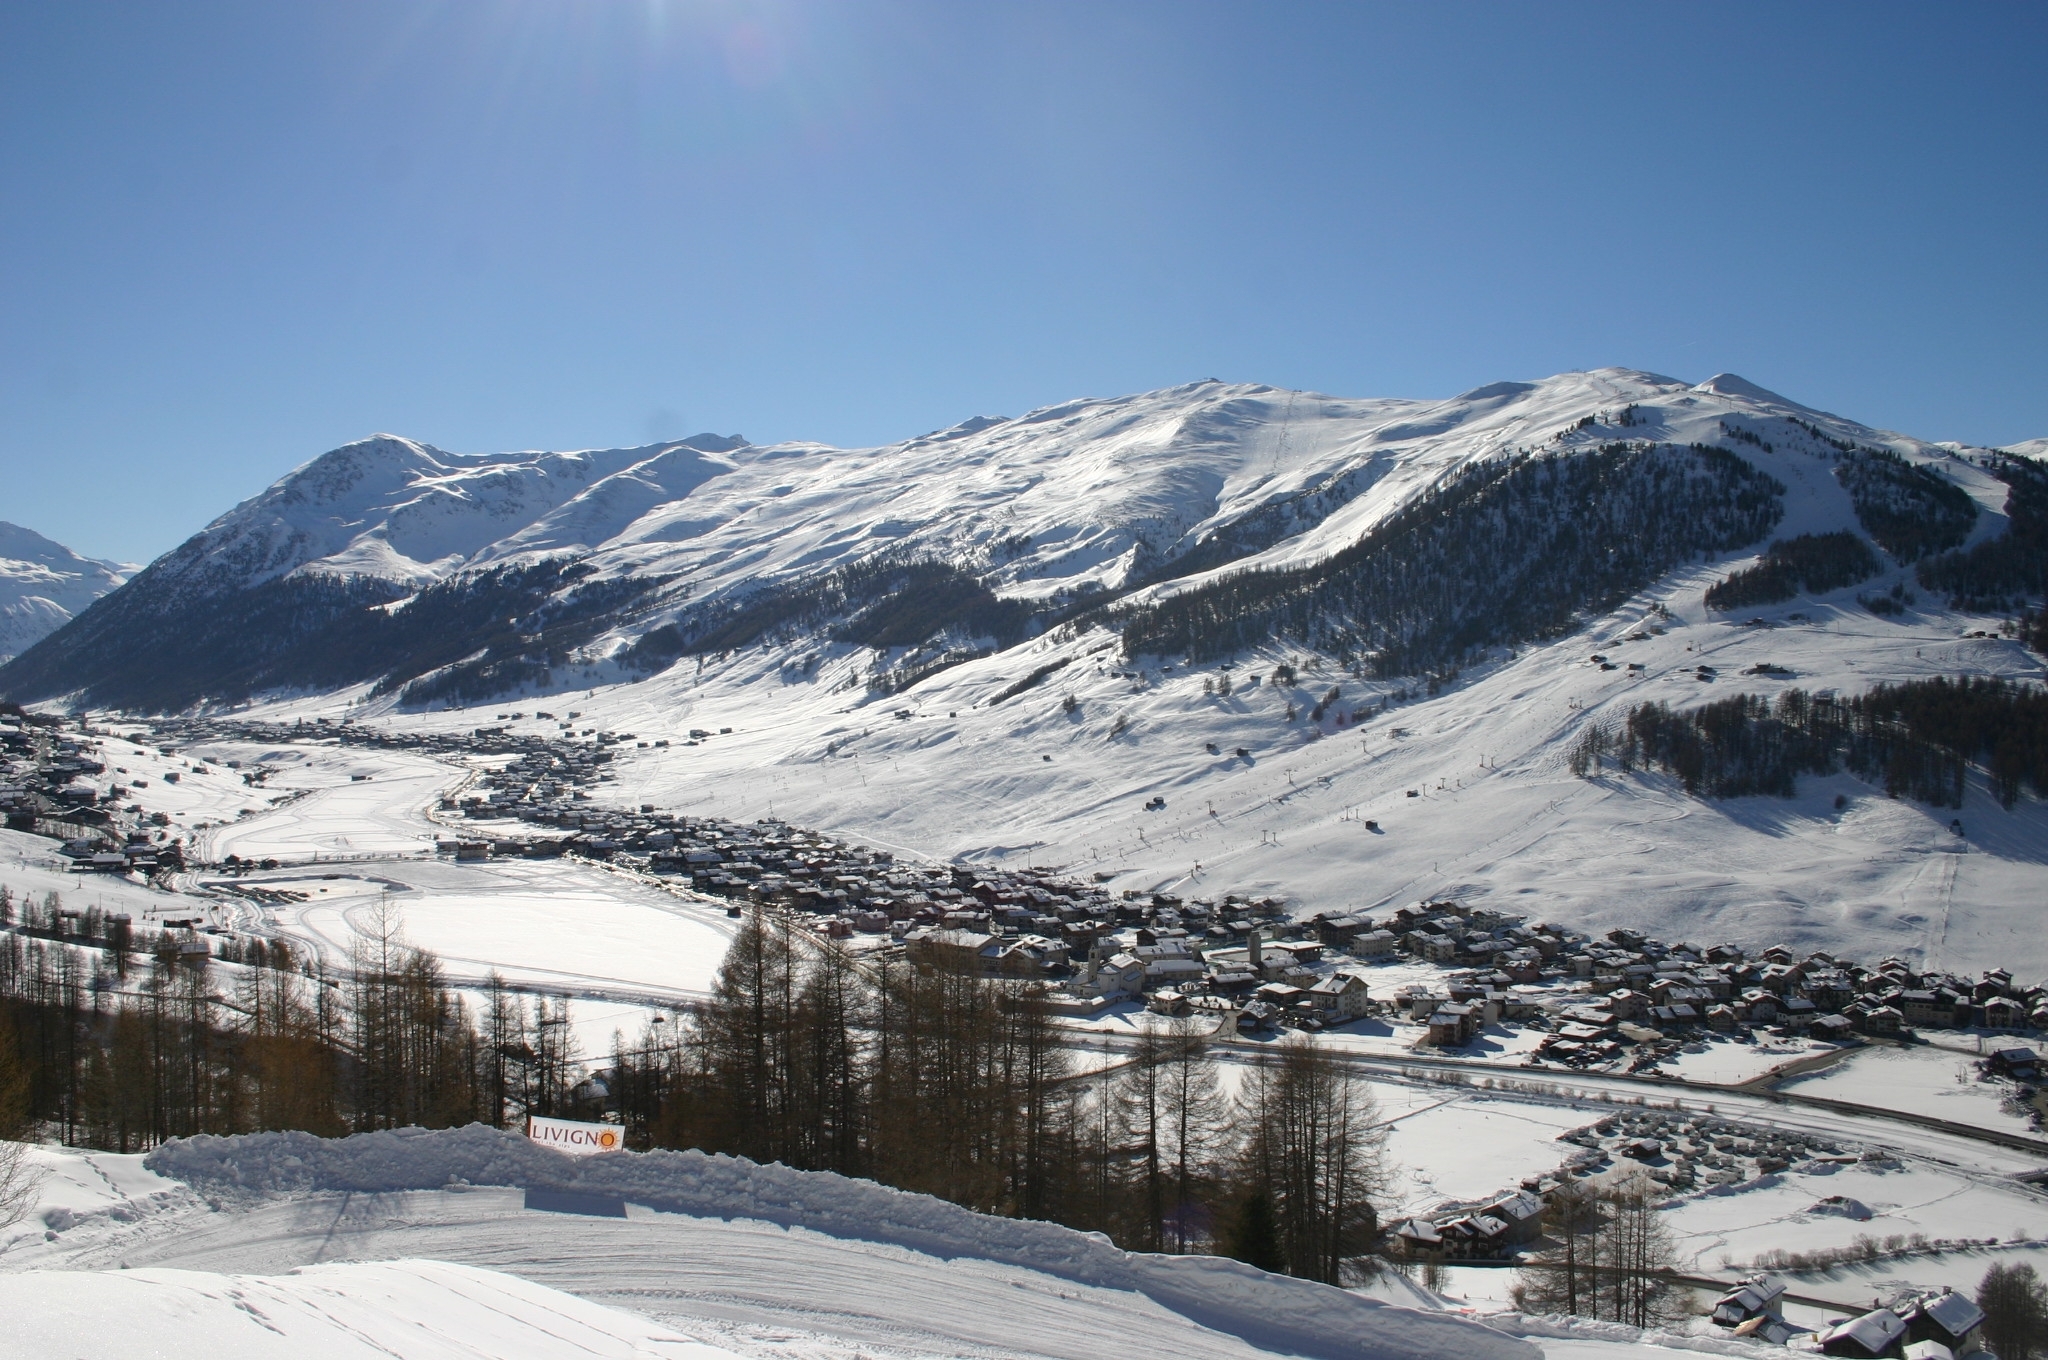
1497 818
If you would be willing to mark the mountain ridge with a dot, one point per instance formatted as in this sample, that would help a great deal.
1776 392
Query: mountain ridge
1137 498
43 584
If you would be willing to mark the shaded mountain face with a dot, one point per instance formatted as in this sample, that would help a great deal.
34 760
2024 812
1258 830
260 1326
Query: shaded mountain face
43 584
1401 535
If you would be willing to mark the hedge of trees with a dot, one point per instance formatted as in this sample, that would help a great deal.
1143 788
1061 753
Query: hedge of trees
127 1040
1812 562
964 1087
953 1085
1611 1256
1918 739
1500 553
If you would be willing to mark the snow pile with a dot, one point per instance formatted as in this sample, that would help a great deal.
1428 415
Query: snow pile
1268 1311
394 1310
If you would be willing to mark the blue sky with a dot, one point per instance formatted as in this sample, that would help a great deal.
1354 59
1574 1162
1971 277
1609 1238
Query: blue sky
235 235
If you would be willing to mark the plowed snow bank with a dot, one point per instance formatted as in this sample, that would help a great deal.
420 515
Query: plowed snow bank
1268 1311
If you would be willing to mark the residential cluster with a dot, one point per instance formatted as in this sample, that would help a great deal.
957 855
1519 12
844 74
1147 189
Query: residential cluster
54 782
1919 1324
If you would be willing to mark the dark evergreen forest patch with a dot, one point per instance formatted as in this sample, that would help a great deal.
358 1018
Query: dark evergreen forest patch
2001 573
154 647
1815 562
1500 553
883 603
1910 510
1918 739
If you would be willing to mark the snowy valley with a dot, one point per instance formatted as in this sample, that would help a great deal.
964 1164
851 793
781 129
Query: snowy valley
1128 684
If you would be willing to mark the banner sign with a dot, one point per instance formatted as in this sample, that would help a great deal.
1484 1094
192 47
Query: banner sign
578 1140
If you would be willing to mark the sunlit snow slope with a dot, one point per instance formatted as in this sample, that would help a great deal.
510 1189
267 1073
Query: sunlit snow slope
759 1260
43 584
928 743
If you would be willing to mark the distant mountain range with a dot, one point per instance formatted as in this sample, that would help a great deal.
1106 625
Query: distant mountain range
1403 536
43 584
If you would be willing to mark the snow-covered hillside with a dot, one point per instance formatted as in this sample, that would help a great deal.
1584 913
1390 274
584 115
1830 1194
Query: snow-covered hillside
1090 491
1062 505
395 584
43 585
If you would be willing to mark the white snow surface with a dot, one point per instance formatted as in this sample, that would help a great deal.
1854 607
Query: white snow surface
44 583
1087 491
412 1310
1211 1306
1095 491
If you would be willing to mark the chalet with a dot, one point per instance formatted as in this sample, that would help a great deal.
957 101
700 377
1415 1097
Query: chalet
1626 1004
1118 976
954 951
2013 1060
2002 1012
1798 1011
1474 1237
1339 997
1880 1332
1280 996
1432 946
1945 1319
1522 1212
1340 931
1453 1025
1169 962
1833 1028
1757 1296
1920 1006
1028 955
1256 1015
1373 944
1419 1237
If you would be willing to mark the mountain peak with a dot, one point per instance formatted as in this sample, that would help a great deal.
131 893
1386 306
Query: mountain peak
1733 385
43 583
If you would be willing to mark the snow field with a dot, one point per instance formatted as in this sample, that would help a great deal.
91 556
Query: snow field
1777 1212
919 1278
801 1248
1941 1083
410 1310
339 815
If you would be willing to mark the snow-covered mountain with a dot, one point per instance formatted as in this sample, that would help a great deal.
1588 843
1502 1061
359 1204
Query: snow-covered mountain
1350 644
43 584
536 569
